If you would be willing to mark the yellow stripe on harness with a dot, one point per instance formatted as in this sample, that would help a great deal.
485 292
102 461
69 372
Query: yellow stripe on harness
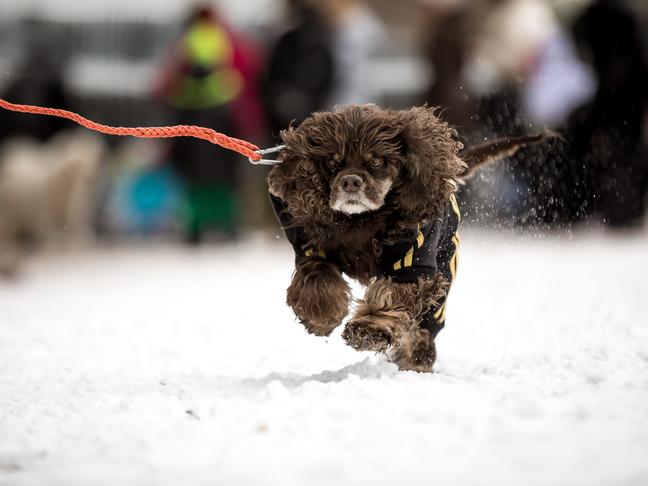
420 239
455 206
455 256
439 315
408 259
319 253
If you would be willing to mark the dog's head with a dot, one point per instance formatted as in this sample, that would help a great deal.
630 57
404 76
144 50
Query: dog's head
362 159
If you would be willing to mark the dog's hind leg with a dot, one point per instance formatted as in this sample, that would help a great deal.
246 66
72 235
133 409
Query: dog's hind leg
380 319
389 318
415 351
318 295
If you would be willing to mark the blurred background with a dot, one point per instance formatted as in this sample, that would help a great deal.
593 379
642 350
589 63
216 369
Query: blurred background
248 69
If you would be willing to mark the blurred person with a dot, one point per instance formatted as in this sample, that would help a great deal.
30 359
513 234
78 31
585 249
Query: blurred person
502 52
300 73
449 30
201 84
559 83
606 146
492 47
48 193
482 49
533 191
322 61
511 33
250 123
357 35
600 167
591 85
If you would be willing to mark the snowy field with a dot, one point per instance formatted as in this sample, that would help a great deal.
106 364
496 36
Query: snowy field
165 366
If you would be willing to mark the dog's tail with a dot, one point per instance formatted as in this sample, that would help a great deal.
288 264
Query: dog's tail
477 156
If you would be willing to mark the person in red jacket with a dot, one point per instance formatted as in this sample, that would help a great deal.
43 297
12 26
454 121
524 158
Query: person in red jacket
205 83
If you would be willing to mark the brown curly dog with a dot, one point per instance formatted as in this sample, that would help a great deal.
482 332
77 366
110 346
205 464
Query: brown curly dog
369 192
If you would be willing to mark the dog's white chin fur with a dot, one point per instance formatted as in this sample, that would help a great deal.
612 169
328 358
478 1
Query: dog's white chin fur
360 203
354 206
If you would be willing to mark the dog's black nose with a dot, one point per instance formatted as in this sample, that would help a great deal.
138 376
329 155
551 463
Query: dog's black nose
351 183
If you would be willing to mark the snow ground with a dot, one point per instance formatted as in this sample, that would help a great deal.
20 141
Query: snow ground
159 365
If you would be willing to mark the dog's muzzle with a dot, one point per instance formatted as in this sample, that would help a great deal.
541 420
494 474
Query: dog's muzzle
349 195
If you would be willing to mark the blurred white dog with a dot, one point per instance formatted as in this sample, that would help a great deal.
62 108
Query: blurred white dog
47 193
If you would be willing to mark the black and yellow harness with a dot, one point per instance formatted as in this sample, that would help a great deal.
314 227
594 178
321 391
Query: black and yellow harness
432 250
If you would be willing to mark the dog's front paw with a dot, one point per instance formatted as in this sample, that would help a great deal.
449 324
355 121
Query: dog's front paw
319 296
415 352
363 335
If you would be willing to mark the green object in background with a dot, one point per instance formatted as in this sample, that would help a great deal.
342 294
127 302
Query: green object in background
213 90
207 44
210 207
209 51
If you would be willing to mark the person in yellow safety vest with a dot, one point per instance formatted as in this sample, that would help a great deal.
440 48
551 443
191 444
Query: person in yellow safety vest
200 85
206 76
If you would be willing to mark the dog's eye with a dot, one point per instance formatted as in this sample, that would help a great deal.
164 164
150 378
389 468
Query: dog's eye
375 163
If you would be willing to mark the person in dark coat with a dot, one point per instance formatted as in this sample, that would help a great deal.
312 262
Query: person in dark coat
300 71
606 135
200 85
600 168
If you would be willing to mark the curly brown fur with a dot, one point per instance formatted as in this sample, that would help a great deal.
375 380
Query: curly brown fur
390 312
417 150
352 181
319 296
416 352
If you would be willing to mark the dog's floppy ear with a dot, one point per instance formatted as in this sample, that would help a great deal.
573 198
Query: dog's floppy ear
430 162
293 174
476 157
295 164
297 180
279 180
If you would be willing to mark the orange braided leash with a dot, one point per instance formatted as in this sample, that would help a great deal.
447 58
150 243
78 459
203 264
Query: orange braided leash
241 146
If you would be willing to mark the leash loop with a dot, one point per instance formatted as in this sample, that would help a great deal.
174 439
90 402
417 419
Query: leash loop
262 152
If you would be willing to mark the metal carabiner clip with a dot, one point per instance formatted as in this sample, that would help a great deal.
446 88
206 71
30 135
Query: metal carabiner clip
262 161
